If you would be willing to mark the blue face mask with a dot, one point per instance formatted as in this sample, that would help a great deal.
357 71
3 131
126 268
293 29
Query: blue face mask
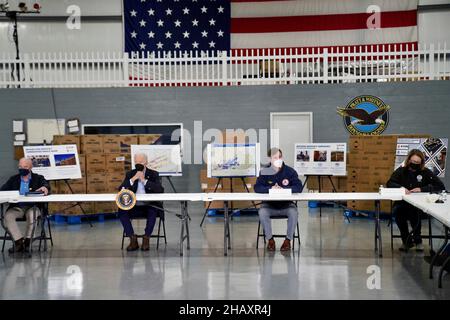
24 172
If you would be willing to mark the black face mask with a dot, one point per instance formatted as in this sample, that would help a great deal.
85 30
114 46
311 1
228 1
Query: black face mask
415 166
139 167
24 172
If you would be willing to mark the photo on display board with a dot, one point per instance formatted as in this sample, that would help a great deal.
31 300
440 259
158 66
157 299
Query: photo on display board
440 158
303 155
68 159
432 145
320 155
337 156
40 161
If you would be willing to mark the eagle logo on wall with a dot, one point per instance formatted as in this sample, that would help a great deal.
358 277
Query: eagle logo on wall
365 115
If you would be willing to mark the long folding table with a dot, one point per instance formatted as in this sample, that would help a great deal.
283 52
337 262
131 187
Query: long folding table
345 196
439 211
183 198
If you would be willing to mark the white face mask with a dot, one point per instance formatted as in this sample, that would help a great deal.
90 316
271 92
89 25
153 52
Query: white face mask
277 163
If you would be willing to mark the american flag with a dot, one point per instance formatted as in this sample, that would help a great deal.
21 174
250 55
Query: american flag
179 25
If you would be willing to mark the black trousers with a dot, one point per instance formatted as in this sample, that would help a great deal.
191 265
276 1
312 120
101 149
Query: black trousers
405 212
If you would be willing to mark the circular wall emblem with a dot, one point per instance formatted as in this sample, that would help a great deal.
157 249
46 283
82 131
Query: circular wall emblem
365 115
126 199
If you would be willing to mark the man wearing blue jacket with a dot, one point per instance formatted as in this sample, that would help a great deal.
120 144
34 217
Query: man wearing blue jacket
278 176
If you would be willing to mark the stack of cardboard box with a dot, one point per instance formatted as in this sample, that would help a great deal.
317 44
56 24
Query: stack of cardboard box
339 182
370 163
104 160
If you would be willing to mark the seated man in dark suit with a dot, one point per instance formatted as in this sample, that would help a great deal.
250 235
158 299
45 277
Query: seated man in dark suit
141 180
24 182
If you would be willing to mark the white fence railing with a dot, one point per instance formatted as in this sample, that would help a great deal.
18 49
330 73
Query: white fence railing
242 67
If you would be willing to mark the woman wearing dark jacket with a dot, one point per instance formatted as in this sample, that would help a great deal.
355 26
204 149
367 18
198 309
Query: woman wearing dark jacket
414 177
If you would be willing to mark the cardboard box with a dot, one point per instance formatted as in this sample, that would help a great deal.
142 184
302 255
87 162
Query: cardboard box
148 138
82 160
95 163
91 144
73 208
115 143
67 139
113 181
77 186
117 162
96 183
105 207
55 207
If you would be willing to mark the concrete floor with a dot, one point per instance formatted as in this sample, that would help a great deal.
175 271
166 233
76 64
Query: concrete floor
333 262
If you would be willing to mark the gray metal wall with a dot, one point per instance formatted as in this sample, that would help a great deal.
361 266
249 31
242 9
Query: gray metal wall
416 107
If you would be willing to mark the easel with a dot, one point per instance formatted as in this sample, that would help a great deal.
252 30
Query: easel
171 184
231 190
329 176
77 203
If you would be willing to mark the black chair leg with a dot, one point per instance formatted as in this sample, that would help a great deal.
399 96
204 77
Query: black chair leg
123 239
164 229
50 232
159 234
257 236
4 240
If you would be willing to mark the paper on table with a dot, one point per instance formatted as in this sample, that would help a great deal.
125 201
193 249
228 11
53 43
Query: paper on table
17 126
278 192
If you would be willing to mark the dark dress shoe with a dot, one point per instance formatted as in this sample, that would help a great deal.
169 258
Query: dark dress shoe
134 245
271 245
145 243
26 244
286 246
18 246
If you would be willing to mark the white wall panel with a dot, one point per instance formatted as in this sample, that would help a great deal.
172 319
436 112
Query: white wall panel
88 7
55 37
434 26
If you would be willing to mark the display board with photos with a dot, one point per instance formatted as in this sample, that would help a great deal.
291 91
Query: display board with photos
434 150
320 159
233 160
166 159
54 162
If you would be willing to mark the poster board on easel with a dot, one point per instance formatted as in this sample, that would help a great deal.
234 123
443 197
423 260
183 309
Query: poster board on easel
54 162
231 160
320 159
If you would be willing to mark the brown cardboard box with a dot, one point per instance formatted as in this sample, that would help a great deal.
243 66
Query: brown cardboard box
232 136
148 138
67 139
73 208
105 207
55 207
113 181
95 163
91 144
82 159
115 143
96 183
117 162
77 186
